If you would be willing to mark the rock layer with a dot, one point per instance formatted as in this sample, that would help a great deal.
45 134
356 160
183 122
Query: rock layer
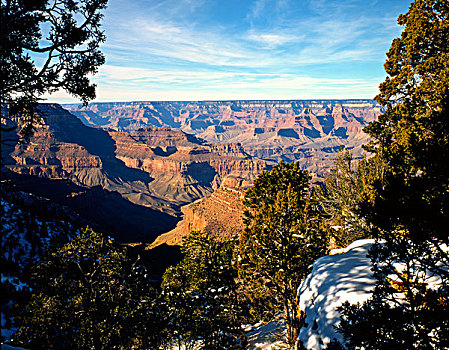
309 131
220 212
153 167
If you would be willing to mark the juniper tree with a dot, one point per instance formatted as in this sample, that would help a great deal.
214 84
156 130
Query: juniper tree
346 187
410 211
284 235
46 45
88 294
202 294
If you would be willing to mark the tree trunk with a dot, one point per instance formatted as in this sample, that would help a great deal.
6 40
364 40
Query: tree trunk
289 324
295 325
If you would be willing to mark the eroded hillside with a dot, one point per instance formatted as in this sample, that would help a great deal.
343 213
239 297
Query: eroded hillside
154 169
311 132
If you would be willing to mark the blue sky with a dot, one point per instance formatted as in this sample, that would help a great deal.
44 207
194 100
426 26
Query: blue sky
230 49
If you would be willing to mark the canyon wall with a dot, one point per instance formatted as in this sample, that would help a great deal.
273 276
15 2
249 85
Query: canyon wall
308 131
220 213
152 167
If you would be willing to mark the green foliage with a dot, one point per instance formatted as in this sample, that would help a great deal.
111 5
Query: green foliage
347 187
89 295
65 35
284 235
410 209
413 134
202 294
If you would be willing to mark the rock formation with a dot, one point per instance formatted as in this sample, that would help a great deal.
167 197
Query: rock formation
311 132
165 155
153 167
221 213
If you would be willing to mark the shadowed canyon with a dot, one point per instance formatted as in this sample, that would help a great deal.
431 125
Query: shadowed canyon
137 168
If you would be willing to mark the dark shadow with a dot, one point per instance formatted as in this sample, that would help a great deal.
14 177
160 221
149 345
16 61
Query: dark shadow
227 122
219 129
313 133
105 210
327 123
160 258
288 133
169 151
203 172
67 128
340 132
198 124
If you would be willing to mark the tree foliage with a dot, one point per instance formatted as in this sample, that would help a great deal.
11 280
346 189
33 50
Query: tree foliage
89 295
47 45
410 211
413 133
283 237
206 309
348 185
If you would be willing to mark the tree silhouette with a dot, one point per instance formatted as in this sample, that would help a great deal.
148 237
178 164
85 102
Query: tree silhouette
410 211
46 45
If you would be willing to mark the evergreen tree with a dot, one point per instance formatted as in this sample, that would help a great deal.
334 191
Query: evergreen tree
202 294
346 187
283 237
65 36
410 211
89 295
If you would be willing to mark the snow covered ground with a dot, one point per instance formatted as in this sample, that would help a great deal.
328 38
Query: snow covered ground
266 336
28 225
344 276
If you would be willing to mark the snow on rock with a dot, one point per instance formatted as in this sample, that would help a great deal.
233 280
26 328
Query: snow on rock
344 276
9 347
267 336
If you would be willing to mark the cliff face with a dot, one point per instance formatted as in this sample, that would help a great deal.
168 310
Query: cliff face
220 212
174 152
311 132
154 167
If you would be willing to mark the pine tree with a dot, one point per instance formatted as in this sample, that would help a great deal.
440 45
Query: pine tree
202 294
410 211
89 295
283 237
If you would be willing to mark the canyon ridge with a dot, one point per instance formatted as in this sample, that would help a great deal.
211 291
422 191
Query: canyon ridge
137 168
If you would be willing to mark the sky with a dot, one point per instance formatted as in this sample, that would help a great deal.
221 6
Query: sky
241 49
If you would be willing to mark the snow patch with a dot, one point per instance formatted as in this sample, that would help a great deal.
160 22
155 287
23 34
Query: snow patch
344 276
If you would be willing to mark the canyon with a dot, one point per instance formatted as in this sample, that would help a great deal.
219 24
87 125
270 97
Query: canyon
141 178
151 172
308 131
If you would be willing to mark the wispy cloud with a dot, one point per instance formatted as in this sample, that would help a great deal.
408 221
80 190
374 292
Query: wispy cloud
184 48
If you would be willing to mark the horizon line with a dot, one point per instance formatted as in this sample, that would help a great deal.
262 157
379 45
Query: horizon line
224 100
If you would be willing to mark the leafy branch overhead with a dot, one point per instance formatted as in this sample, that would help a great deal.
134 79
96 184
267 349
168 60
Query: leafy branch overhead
47 45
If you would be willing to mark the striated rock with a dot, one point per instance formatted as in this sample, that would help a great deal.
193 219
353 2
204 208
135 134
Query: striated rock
308 131
154 167
220 212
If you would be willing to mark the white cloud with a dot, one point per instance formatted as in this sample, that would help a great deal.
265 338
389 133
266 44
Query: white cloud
273 40
164 50
139 84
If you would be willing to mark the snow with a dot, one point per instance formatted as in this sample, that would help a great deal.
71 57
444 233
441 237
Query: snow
344 276
9 347
28 226
267 336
